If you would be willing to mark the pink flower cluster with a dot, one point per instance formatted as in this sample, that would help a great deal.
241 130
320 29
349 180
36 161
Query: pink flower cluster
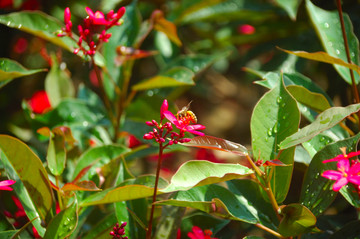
93 30
197 233
161 131
346 172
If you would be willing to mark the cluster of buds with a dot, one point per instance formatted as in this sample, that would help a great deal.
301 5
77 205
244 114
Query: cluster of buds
93 30
163 132
347 171
119 231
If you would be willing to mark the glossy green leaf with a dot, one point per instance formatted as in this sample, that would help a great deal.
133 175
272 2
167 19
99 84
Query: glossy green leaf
234 203
177 76
196 173
58 84
290 6
63 224
316 192
317 143
33 190
169 222
325 120
100 156
38 24
327 26
316 101
349 231
282 119
297 219
80 186
8 234
10 69
128 190
103 228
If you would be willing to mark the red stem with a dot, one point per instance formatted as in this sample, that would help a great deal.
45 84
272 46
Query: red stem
149 229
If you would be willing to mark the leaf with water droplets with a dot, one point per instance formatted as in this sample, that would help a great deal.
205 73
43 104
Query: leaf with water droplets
316 192
210 142
328 27
177 76
324 121
10 70
64 223
275 117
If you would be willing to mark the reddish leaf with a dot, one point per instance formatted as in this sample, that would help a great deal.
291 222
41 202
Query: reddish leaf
274 162
80 186
165 26
82 173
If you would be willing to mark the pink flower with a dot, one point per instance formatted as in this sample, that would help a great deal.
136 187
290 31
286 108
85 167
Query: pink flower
39 102
246 29
197 233
344 174
342 156
4 185
184 125
96 18
164 107
67 15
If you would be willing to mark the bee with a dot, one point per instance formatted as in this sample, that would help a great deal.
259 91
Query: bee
186 115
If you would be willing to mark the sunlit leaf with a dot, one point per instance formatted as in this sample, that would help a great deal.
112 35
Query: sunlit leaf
297 219
211 142
63 224
282 119
325 120
165 26
316 192
327 26
324 57
80 186
10 70
33 189
177 76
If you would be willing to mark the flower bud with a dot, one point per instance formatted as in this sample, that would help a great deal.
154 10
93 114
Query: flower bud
149 123
148 136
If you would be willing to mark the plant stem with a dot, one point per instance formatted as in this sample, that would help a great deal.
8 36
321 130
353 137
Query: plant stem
353 83
269 230
58 193
103 93
149 229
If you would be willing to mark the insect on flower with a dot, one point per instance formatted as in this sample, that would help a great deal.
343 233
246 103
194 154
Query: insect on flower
186 115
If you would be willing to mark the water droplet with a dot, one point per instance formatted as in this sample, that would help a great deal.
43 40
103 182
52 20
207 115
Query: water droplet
326 25
67 221
46 26
196 68
352 54
73 114
284 117
337 51
279 99
85 124
275 129
20 25
8 23
283 104
270 132
266 139
330 44
322 139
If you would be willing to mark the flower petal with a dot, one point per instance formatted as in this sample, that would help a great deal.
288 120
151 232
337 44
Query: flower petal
164 107
355 169
7 183
332 174
337 158
354 179
343 165
89 12
339 184
171 117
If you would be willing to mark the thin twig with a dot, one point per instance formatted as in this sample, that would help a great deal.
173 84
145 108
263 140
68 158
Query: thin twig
269 230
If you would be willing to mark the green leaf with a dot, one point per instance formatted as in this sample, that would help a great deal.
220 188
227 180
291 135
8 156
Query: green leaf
316 101
316 192
177 76
38 24
10 70
325 120
8 234
101 155
349 231
197 173
33 190
297 219
282 119
56 154
102 229
327 26
290 6
58 84
63 224
169 222
234 203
